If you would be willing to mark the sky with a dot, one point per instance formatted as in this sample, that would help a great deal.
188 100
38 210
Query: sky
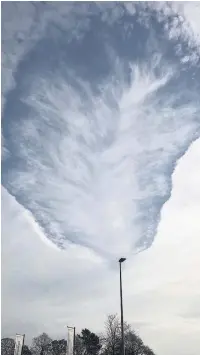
101 152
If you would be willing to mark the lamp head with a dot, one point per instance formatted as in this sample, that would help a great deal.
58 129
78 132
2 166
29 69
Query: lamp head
122 260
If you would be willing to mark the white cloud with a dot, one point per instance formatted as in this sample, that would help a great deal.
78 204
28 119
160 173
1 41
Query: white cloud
131 130
181 21
78 182
188 22
44 289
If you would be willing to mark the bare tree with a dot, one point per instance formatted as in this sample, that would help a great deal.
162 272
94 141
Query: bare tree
41 345
112 327
112 339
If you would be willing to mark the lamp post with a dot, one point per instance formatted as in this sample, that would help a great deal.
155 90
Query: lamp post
121 303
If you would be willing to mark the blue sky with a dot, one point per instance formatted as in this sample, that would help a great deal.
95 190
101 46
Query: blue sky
100 100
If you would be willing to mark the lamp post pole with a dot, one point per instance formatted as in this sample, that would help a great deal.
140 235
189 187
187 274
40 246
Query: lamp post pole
121 304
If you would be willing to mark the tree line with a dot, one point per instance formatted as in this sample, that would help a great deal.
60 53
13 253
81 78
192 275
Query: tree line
86 343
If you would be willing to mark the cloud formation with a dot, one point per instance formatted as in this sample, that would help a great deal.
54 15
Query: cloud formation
94 168
92 148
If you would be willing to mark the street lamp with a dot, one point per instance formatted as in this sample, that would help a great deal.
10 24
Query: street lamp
121 302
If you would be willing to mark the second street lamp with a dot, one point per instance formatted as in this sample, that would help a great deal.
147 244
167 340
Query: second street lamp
121 303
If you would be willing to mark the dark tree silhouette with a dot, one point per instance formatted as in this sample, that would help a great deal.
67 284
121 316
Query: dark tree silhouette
90 342
7 346
59 347
26 350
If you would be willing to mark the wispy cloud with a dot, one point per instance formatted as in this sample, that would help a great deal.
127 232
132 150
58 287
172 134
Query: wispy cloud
95 168
180 21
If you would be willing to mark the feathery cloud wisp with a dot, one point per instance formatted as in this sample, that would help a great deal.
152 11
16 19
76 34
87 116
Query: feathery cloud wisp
93 166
